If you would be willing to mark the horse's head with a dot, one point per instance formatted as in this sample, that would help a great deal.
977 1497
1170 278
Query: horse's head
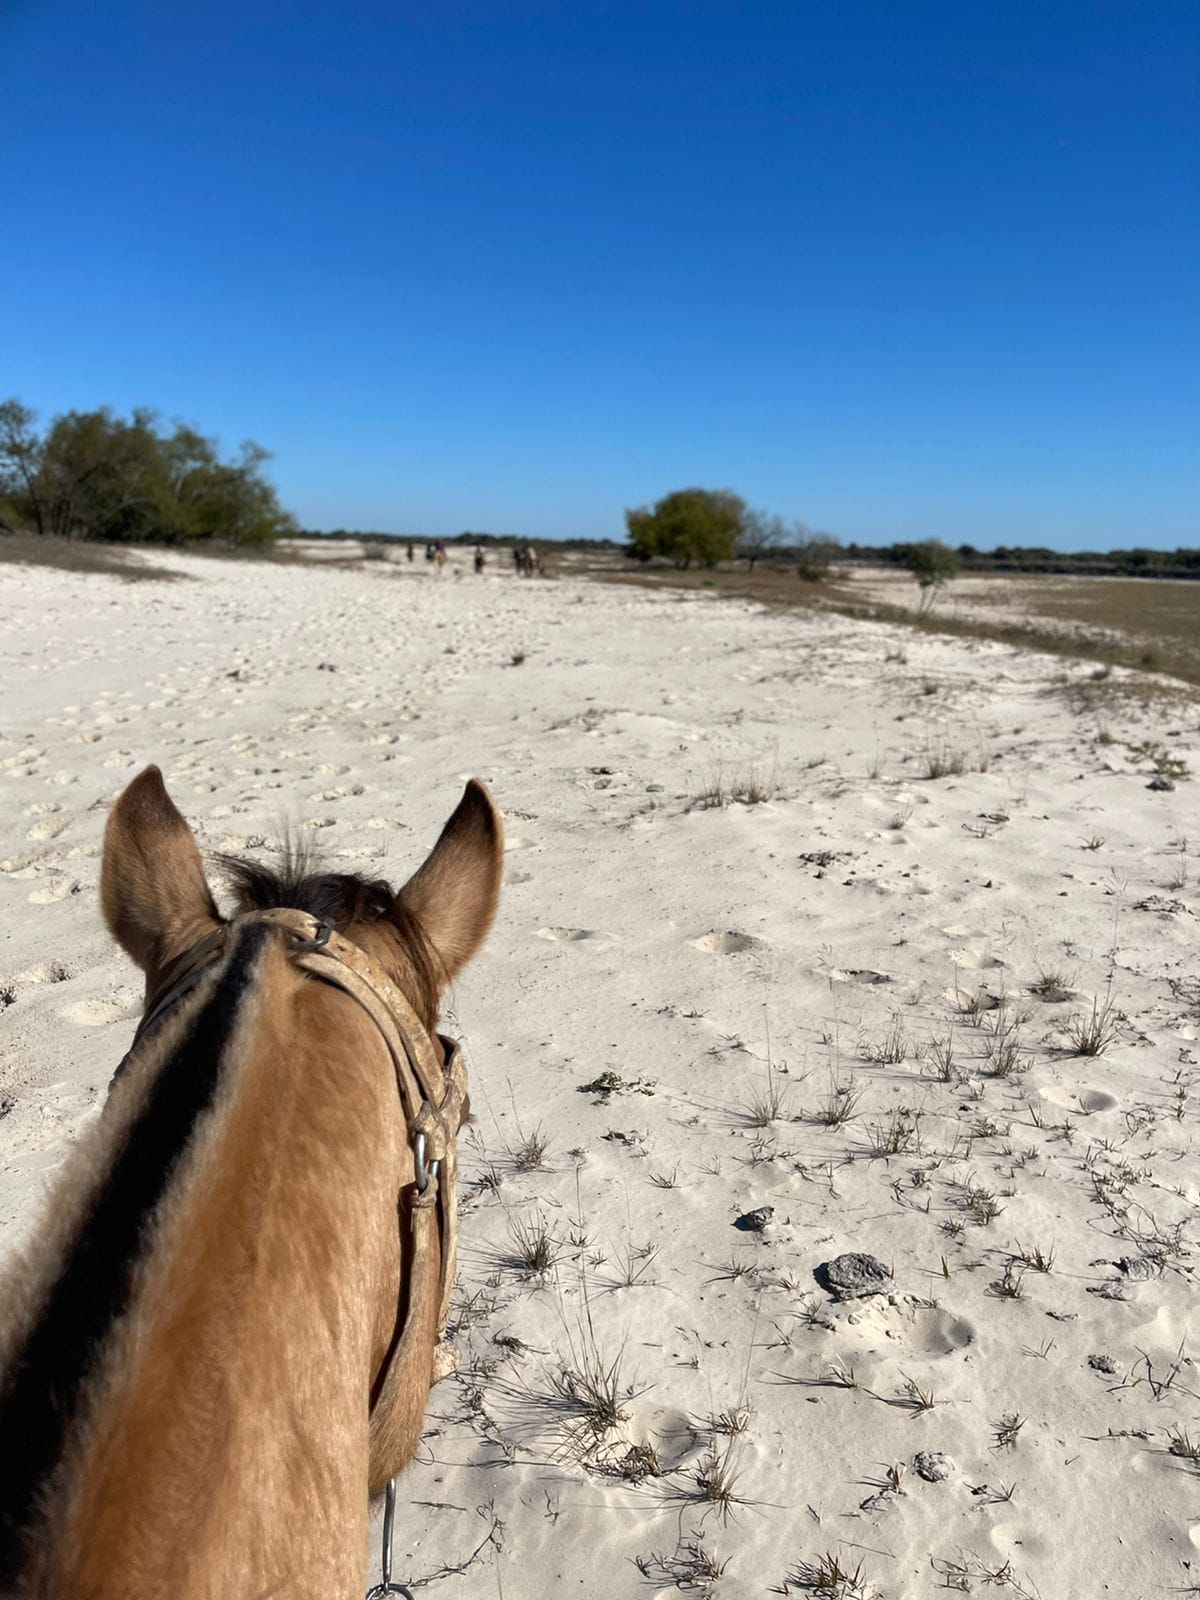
158 904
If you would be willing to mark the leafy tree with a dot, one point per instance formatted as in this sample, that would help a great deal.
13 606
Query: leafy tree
688 525
94 475
932 564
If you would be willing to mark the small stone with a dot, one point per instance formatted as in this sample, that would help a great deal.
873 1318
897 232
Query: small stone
1159 783
656 788
850 1276
1103 1363
755 1221
932 1465
1139 1269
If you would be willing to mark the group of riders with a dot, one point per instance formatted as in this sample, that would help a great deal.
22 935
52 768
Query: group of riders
527 562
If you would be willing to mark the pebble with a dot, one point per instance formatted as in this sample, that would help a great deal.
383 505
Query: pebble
1102 1363
755 1221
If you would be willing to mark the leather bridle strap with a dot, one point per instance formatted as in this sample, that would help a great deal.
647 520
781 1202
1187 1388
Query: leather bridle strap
433 1095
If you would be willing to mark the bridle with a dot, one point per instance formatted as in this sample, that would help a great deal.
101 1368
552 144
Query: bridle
432 1084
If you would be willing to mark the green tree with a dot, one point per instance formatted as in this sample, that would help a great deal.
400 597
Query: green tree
932 564
94 475
688 525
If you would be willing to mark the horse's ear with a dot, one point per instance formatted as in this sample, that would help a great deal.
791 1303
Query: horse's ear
454 895
155 898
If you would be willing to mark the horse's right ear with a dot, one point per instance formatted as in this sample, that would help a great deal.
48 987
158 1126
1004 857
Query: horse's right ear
454 895
153 891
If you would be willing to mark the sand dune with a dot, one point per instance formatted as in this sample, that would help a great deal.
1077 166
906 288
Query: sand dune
767 993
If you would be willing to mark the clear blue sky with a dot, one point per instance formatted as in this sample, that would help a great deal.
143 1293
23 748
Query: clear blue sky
898 268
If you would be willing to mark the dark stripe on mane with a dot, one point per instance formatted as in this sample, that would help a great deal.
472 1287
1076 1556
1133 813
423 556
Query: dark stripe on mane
42 1390
342 898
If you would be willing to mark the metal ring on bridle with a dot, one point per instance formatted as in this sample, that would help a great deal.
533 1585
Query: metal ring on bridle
423 1172
386 1586
319 939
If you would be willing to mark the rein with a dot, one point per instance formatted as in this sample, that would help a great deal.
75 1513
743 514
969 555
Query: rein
432 1084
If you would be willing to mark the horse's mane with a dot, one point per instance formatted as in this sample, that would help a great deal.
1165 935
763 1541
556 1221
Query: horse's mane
296 881
60 1349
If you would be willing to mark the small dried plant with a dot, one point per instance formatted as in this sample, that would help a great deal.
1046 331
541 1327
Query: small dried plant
535 1250
840 1103
829 1577
1092 1034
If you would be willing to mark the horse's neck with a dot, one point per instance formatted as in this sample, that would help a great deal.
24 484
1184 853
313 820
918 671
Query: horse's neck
228 1451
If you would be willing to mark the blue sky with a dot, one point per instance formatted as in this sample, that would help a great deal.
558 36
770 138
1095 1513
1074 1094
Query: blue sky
897 268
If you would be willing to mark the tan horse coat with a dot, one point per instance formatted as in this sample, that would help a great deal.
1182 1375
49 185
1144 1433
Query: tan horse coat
220 1445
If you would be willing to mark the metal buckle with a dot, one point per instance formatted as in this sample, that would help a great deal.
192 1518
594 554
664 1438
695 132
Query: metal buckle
423 1173
385 1586
319 939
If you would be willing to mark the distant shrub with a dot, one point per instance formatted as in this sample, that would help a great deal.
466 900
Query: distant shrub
932 564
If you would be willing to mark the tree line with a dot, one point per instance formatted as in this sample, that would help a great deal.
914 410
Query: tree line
707 526
95 475
711 525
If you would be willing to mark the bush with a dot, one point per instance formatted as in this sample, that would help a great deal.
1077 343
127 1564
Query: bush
814 559
931 563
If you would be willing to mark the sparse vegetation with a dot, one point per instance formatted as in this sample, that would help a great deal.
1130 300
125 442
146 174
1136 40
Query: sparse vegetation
535 1250
607 1084
829 1577
529 1155
841 1103
1093 1034
752 785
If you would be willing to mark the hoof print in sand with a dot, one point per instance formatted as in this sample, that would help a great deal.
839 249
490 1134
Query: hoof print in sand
904 1327
97 1013
50 894
724 944
1086 1102
860 975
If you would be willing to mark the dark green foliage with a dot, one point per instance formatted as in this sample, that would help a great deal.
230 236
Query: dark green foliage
931 562
701 525
94 475
1037 559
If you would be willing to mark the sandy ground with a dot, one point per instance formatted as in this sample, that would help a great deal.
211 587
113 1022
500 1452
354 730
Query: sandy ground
774 988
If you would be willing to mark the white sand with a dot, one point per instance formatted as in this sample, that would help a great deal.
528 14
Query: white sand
644 937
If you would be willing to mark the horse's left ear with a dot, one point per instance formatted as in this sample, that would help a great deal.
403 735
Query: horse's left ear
153 891
455 894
